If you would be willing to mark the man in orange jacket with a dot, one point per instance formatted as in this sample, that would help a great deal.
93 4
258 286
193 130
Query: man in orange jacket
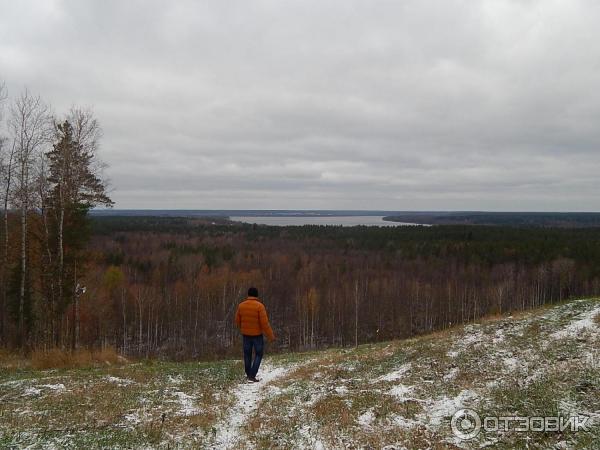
252 320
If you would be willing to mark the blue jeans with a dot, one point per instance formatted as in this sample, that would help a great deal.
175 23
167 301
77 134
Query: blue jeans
256 343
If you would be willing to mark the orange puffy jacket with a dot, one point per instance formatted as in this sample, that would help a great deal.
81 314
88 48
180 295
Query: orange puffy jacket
251 318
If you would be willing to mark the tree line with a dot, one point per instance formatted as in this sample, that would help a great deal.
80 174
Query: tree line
168 287
517 219
50 176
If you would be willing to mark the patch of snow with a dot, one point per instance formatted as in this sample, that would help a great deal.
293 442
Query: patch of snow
119 381
498 336
451 375
401 391
404 422
436 411
351 366
537 374
186 403
54 387
471 338
175 379
342 390
511 363
574 328
396 374
568 407
31 391
492 384
133 418
592 358
366 419
13 383
307 435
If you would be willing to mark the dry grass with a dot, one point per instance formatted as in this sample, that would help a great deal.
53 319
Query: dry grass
597 319
56 358
10 360
514 315
60 359
333 410
491 318
418 438
531 331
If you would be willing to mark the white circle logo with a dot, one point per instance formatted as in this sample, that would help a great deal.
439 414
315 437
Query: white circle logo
466 424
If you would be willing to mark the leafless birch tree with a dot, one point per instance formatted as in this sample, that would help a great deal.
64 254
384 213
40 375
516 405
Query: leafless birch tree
6 163
30 129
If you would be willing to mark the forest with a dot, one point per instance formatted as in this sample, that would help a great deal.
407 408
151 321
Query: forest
168 287
519 219
50 177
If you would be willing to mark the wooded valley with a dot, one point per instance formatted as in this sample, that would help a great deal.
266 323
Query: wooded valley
168 287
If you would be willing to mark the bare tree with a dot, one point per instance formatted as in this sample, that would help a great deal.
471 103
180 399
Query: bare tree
6 160
86 128
31 131
6 164
356 301
3 97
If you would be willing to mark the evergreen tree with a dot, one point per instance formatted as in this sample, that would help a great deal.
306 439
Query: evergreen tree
75 188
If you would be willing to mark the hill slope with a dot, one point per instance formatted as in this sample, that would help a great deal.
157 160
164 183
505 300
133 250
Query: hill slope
393 395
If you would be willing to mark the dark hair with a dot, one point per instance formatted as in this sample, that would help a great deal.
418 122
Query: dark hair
252 292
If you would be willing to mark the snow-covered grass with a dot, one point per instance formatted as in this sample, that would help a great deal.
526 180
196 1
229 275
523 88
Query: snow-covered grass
402 394
392 395
132 406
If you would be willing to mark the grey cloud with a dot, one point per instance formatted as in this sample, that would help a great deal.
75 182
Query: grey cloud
346 104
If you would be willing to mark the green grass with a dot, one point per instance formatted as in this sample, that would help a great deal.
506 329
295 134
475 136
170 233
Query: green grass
92 410
512 366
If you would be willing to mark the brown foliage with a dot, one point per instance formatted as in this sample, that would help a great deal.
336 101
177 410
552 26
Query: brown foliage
60 359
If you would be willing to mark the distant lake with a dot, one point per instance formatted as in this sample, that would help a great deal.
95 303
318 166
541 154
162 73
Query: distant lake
346 221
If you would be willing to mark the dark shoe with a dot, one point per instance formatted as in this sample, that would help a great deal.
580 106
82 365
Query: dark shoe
253 379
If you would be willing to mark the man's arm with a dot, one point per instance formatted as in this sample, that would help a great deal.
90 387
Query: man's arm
265 326
238 317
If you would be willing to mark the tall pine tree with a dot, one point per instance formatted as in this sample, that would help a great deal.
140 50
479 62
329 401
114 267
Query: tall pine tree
75 188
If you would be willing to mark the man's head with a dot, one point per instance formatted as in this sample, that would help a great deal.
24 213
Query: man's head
252 292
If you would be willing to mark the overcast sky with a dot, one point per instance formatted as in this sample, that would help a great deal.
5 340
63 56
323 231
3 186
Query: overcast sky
398 105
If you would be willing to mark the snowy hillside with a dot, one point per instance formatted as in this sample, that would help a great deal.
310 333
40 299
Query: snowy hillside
393 395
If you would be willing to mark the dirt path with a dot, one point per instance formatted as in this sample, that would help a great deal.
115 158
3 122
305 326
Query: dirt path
248 396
